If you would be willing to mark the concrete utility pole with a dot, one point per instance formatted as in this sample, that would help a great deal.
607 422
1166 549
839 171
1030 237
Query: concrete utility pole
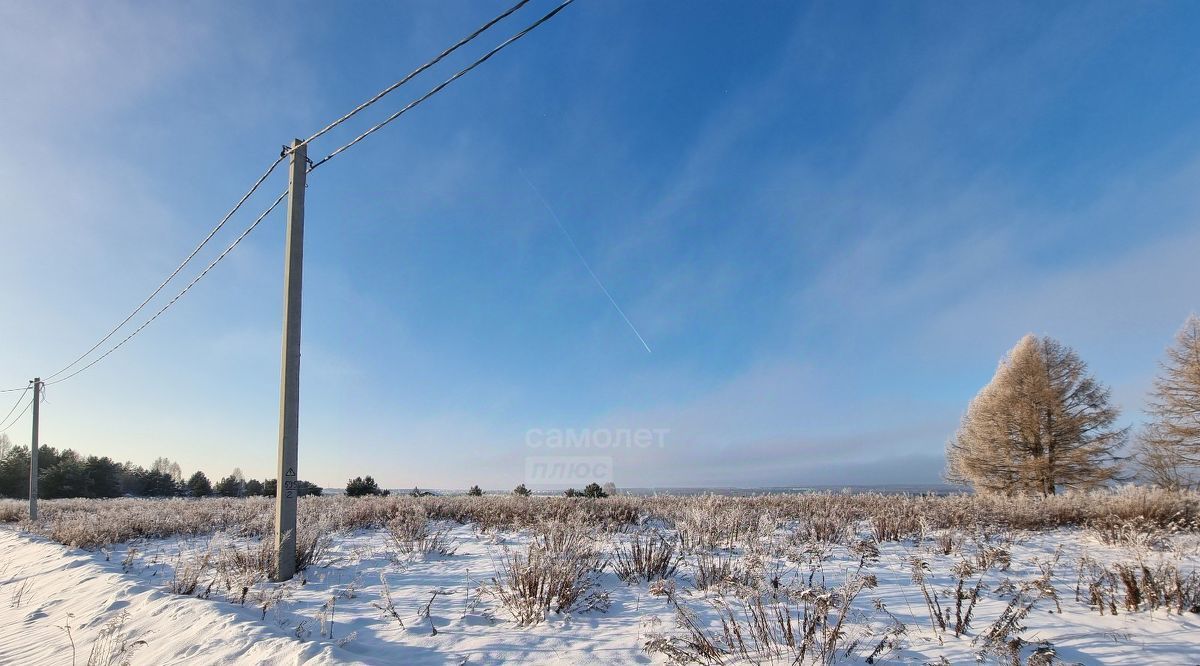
33 450
289 393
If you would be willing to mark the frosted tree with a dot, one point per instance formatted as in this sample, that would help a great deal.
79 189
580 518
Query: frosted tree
1042 423
169 468
979 453
1169 445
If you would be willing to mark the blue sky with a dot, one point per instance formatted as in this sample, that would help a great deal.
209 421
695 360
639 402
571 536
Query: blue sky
828 221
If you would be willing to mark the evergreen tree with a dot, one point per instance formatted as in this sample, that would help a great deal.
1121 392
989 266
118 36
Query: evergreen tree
359 486
229 486
104 476
61 474
14 473
158 484
132 479
199 486
475 491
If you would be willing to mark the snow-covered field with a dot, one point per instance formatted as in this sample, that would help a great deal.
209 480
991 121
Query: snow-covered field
767 596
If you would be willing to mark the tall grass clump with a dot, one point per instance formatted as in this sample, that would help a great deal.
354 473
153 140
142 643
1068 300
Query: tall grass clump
1137 586
410 532
313 540
646 557
804 625
557 572
114 645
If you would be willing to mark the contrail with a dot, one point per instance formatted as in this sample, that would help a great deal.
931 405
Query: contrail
583 260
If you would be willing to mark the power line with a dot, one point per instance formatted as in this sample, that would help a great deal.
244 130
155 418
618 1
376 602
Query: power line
14 421
413 73
15 405
185 290
443 84
283 155
175 272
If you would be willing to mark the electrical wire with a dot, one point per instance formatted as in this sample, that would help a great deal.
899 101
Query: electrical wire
50 380
15 405
443 84
14 421
413 73
175 272
185 290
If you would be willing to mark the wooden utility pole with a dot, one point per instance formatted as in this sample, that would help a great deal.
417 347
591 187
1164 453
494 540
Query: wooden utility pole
33 450
289 392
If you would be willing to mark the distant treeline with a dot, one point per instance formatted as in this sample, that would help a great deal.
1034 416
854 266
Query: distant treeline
66 473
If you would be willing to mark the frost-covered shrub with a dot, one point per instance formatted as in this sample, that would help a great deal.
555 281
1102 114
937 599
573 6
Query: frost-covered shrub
1137 586
314 536
410 531
12 511
802 625
703 523
556 572
717 570
647 556
239 568
896 525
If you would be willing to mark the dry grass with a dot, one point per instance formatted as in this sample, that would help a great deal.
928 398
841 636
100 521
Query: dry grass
717 571
410 531
187 571
313 539
646 557
114 645
556 572
966 595
1137 586
703 523
1002 640
802 625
